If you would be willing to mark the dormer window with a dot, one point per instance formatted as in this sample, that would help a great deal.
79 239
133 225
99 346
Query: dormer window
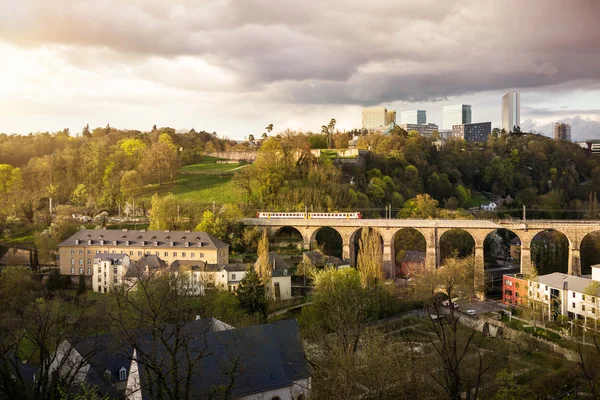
199 244
102 242
122 374
285 271
155 243
89 242
127 242
107 375
187 244
171 244
76 241
114 242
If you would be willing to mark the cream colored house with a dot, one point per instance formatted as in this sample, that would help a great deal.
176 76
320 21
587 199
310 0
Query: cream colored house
109 270
76 254
201 275
281 279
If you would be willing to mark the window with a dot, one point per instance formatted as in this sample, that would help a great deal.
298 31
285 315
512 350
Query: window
583 297
201 255
72 261
114 251
131 252
107 375
192 255
139 253
174 254
99 269
573 294
89 252
157 253
72 270
517 285
115 279
80 271
72 252
546 297
546 287
233 277
80 252
583 307
122 374
593 310
166 254
115 269
538 285
183 254
89 262
572 305
89 271
81 261
517 294
99 279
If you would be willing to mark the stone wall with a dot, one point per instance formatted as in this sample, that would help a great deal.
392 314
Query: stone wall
234 155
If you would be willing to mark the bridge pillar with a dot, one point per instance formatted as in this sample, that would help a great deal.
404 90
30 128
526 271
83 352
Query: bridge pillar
388 260
432 249
479 273
526 266
574 261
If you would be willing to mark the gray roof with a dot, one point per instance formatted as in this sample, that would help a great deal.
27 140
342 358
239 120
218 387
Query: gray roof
574 283
414 257
318 258
234 267
150 239
110 256
152 261
195 265
277 264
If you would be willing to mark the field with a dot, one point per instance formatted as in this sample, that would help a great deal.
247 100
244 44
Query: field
478 199
205 182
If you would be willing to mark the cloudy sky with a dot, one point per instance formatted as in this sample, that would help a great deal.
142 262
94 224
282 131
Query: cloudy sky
234 66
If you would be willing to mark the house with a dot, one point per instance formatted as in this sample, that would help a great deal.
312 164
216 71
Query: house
281 280
515 248
320 260
489 207
572 296
146 266
411 263
15 257
76 254
256 362
109 270
514 289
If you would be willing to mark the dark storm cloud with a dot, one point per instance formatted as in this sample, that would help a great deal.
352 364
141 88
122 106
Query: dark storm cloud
334 52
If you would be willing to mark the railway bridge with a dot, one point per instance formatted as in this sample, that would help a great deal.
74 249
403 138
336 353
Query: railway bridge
432 230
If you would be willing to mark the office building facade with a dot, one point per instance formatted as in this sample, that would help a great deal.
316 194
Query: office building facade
477 132
511 110
413 117
377 118
562 131
423 129
457 114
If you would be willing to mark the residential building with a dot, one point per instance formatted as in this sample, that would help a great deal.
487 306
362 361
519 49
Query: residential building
457 114
568 295
377 118
317 259
562 131
445 134
108 271
514 289
412 262
76 254
281 280
489 207
424 130
257 362
511 110
477 132
415 117
515 248
16 257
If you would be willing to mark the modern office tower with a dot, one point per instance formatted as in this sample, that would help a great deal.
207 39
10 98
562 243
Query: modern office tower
457 114
426 130
511 110
413 117
477 132
562 131
376 118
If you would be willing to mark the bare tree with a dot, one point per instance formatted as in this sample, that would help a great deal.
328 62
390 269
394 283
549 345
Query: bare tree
370 258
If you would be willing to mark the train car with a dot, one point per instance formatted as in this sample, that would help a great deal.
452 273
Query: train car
312 215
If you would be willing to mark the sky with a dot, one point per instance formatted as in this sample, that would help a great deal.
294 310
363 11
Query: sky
235 66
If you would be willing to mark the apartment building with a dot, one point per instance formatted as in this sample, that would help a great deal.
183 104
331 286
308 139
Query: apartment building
476 132
377 118
572 296
76 254
426 130
108 271
415 117
562 131
511 110
456 114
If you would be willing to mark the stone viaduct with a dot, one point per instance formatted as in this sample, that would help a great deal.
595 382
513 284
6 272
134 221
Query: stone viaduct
432 230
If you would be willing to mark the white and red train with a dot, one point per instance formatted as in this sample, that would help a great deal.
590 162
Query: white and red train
310 215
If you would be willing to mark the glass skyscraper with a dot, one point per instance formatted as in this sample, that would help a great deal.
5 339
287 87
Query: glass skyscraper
457 114
413 117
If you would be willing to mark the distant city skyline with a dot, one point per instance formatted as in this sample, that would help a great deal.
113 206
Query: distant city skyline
511 110
134 64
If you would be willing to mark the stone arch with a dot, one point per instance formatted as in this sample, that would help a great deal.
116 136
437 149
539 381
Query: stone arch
502 255
409 251
287 235
332 249
550 251
589 249
354 243
464 243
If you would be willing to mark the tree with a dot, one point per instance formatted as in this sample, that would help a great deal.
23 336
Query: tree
370 258
509 389
79 195
160 160
269 128
213 224
131 183
251 294
264 266
81 286
422 206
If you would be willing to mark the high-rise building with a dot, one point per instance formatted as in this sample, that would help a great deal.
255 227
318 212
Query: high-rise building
413 117
457 114
511 110
562 131
376 118
426 130
477 132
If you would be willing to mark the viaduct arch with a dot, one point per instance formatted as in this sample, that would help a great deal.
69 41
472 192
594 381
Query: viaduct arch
433 229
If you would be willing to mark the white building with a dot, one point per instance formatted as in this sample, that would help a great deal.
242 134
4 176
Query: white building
413 117
281 280
109 270
377 118
456 114
511 110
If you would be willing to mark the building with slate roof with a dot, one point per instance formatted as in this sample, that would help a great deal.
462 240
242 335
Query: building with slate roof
281 279
109 270
76 254
262 361
412 262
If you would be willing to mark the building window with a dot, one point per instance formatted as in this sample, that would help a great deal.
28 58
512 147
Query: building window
131 252
114 251
192 255
81 261
233 277
89 271
99 279
593 310
72 252
99 269
72 270
174 254
80 252
573 294
157 253
115 279
123 374
183 254
80 271
546 287
166 254
72 261
114 270
139 253
89 262
89 252
546 297
583 307
538 285
583 297
573 305
201 255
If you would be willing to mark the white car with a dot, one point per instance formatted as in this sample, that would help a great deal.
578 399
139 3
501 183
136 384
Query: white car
445 303
455 305
471 312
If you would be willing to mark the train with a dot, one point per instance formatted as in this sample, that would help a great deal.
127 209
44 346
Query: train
310 215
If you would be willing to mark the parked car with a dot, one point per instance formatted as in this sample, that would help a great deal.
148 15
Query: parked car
471 312
455 305
445 303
